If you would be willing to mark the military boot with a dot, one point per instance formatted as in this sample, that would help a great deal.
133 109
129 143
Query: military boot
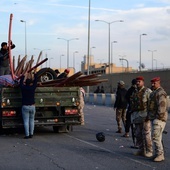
148 154
119 130
139 153
159 158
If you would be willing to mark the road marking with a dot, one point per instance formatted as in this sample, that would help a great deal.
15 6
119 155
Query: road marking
110 151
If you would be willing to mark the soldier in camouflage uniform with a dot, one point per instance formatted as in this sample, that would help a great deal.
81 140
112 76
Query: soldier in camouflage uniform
81 106
157 117
139 104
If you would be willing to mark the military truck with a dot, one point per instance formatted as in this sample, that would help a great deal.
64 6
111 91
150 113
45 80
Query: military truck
55 106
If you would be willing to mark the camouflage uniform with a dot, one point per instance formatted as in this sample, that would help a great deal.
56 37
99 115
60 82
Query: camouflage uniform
81 106
139 100
157 116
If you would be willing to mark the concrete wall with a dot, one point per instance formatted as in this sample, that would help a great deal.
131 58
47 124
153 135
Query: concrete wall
111 85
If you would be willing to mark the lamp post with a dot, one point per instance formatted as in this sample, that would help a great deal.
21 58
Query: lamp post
152 51
50 61
25 36
126 61
162 65
88 41
109 23
68 41
100 60
140 50
90 55
42 53
74 60
155 62
112 55
60 61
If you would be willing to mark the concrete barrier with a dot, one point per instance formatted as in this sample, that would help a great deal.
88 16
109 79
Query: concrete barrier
106 99
100 99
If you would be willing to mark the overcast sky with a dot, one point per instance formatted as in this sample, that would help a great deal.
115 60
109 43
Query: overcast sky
47 20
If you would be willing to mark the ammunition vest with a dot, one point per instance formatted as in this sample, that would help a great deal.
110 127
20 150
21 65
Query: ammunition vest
137 100
153 106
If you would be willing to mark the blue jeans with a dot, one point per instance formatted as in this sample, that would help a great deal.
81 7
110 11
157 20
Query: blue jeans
28 114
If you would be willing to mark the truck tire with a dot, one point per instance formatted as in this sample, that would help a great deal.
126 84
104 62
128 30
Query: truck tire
46 74
62 129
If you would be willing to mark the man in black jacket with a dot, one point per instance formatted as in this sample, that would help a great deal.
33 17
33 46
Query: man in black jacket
4 58
128 113
120 105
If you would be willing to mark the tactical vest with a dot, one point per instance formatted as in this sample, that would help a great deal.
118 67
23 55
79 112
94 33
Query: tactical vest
137 100
152 106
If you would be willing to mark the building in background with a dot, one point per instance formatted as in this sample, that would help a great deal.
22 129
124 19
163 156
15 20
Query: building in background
102 68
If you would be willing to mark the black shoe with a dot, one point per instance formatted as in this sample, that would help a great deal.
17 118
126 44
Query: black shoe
26 137
30 136
119 131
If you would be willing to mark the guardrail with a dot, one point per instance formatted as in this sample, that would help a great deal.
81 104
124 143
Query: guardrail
106 99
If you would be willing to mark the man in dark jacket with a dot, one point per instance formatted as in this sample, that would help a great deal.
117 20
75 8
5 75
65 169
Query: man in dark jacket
28 87
128 113
64 74
120 105
4 58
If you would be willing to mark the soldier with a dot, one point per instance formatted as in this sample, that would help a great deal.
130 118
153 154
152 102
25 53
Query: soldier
81 106
128 113
120 105
157 117
64 74
140 98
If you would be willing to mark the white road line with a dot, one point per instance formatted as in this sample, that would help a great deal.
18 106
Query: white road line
110 151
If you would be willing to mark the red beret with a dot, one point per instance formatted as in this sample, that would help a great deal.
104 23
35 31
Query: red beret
67 71
140 78
155 79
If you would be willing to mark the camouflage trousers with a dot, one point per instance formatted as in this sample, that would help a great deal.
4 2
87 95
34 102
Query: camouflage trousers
153 133
120 116
139 135
147 136
81 107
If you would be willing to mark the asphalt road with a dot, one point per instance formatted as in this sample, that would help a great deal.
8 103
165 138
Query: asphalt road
79 149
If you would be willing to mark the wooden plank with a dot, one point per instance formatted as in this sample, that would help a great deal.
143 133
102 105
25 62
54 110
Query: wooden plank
69 79
9 47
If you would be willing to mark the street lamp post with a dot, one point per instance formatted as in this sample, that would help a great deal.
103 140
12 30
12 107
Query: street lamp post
25 36
50 61
109 23
90 57
126 61
74 60
60 61
68 41
152 51
112 55
155 62
140 50
162 65
88 42
100 60
42 53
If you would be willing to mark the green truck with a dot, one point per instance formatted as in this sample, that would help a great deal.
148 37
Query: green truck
55 106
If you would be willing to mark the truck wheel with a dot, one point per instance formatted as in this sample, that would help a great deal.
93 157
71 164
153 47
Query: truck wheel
62 129
56 129
46 74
